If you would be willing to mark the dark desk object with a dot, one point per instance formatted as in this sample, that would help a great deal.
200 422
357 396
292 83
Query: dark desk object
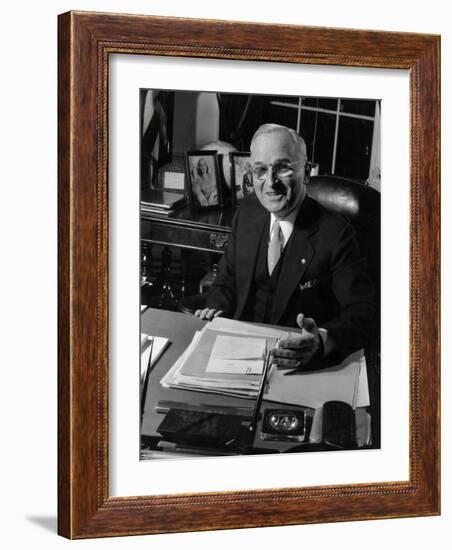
194 234
207 231
180 328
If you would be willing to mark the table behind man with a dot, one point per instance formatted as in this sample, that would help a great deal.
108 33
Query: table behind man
292 262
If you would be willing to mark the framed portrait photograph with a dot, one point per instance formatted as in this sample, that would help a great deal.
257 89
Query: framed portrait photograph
261 353
241 177
203 179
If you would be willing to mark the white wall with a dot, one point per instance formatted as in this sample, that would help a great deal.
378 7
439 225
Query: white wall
28 270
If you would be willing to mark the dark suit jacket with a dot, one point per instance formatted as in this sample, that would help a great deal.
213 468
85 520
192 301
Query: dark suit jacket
322 275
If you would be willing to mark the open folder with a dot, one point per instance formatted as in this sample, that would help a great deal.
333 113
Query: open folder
227 357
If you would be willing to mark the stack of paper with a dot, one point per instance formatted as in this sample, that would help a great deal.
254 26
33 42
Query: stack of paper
226 357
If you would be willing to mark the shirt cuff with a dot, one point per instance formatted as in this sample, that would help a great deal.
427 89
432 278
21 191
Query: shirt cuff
324 336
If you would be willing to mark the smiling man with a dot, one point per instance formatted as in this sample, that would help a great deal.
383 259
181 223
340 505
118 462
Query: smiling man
290 262
278 159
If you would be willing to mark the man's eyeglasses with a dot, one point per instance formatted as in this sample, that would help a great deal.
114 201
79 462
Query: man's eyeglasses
280 169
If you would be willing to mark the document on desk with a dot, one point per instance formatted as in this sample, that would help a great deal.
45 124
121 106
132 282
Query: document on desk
225 358
195 367
344 382
237 355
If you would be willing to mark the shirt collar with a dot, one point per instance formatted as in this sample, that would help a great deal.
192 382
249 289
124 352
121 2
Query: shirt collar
286 224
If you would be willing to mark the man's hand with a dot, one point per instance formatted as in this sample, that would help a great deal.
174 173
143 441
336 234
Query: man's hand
207 314
299 349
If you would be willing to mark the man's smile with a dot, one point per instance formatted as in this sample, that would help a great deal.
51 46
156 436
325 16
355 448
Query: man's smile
275 194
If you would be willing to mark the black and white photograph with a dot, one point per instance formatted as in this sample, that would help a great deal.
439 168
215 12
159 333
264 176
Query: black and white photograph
260 319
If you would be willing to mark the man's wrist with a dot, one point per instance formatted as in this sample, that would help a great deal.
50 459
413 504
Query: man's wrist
315 362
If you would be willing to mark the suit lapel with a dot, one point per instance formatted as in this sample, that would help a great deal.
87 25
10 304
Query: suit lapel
297 257
255 226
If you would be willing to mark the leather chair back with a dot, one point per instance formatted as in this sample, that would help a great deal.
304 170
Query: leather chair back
361 205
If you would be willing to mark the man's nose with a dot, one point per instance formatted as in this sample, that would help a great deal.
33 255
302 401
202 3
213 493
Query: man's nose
270 179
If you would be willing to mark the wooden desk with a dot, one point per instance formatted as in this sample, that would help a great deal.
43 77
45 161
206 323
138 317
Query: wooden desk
180 328
208 231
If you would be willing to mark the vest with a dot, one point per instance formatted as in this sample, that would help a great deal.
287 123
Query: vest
263 289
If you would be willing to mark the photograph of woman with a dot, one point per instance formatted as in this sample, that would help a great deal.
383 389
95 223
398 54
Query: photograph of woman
204 180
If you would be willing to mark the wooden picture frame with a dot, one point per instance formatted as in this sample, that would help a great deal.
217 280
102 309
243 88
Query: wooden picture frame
213 198
86 40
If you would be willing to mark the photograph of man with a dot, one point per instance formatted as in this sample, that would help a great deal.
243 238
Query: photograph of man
291 262
247 184
244 184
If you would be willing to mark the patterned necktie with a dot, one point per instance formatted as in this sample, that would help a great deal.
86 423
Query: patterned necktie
275 246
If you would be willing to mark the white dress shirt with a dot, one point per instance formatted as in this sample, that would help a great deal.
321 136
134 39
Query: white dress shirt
286 225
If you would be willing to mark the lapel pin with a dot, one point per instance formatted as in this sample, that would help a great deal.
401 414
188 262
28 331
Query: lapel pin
303 260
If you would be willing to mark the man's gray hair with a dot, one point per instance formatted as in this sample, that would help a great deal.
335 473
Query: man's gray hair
269 128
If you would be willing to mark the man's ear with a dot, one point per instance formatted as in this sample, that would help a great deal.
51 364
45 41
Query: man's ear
307 171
